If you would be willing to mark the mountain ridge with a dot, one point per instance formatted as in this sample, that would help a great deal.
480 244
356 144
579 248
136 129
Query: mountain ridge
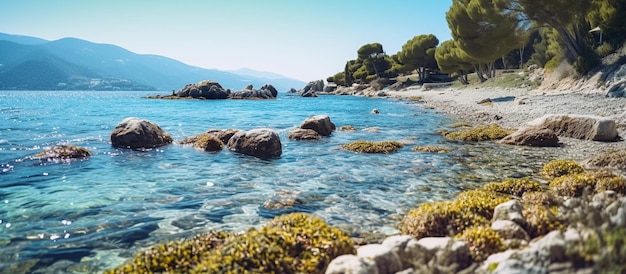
80 64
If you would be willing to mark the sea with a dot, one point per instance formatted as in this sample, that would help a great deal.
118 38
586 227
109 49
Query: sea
86 216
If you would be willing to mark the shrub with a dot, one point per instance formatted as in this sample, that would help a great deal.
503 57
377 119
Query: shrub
546 198
612 158
294 243
433 149
541 219
176 256
478 133
516 187
373 147
595 182
558 168
482 241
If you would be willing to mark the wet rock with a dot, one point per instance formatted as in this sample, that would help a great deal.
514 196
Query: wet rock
135 133
585 127
320 123
532 136
224 134
347 128
265 92
205 89
352 264
387 261
63 153
261 143
304 134
375 111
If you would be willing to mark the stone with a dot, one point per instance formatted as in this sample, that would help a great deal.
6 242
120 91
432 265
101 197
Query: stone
510 230
315 86
347 128
510 211
619 218
262 143
552 246
320 123
223 135
63 153
484 101
447 250
386 260
135 133
617 89
309 93
532 136
352 264
265 92
407 248
304 134
205 89
282 199
375 111
585 127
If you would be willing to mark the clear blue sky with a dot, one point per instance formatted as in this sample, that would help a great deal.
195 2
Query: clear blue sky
302 39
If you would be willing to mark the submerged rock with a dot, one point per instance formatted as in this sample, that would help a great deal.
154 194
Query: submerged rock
62 153
135 133
304 134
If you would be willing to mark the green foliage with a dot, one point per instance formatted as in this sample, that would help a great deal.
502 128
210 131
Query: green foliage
294 243
362 146
604 50
482 241
176 257
370 50
612 260
541 219
575 185
558 168
432 149
469 208
451 59
478 133
516 187
419 53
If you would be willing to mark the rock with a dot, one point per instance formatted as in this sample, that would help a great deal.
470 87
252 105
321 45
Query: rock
532 136
309 93
484 101
315 86
381 94
372 129
320 123
223 135
510 211
282 199
208 142
63 153
205 89
375 111
249 87
386 260
135 133
510 230
292 90
448 251
266 92
617 90
552 246
619 218
261 143
304 134
407 248
352 264
330 88
585 127
347 128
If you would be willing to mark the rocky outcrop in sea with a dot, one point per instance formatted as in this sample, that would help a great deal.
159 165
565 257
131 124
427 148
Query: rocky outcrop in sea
136 133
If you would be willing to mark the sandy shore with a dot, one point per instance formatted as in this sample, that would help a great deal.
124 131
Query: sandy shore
512 108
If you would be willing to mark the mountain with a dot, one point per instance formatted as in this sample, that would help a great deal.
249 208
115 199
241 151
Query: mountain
75 64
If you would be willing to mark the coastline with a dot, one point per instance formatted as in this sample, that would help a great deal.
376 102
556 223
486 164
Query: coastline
512 108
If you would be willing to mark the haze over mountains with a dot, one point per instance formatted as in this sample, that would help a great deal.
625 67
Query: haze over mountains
30 63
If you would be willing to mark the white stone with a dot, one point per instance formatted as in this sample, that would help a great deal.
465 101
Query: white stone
386 260
352 264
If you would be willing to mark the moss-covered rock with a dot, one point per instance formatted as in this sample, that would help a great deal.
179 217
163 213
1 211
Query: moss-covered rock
482 241
173 257
431 149
294 243
478 133
469 208
516 187
63 152
557 168
362 146
208 142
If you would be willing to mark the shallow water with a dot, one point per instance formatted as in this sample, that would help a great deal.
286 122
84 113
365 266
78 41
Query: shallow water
90 215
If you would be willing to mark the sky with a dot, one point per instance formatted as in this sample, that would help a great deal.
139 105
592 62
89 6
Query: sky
301 39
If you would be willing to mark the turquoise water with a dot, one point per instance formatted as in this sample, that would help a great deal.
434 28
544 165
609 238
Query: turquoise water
89 215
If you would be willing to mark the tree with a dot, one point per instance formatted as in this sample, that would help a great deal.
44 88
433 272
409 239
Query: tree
419 53
485 30
451 59
370 53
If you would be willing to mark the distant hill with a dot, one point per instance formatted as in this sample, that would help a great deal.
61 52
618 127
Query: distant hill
75 64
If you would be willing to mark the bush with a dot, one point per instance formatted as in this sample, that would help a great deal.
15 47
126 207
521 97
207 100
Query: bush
604 50
433 149
575 185
558 168
612 159
482 241
478 133
294 243
362 146
516 187
541 219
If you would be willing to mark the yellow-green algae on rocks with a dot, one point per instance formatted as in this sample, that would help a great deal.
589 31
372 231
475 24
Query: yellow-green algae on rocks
515 187
558 168
293 243
431 149
477 133
362 146
482 241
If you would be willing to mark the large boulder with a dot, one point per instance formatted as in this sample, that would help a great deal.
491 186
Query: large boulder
532 136
204 90
135 133
262 143
316 86
617 90
265 92
320 123
304 134
586 127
